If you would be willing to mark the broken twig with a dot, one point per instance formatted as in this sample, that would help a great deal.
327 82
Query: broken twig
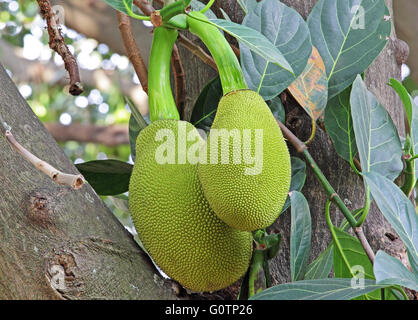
57 43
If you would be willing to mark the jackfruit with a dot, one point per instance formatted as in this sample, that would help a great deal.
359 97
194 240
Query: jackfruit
172 217
246 175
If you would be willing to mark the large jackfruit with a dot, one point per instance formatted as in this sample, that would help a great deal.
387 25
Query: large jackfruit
172 217
246 177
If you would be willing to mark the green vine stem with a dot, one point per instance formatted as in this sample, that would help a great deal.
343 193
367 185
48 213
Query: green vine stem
134 15
208 6
333 196
334 236
230 73
161 100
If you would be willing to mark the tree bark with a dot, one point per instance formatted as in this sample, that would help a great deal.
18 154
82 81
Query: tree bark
58 243
45 226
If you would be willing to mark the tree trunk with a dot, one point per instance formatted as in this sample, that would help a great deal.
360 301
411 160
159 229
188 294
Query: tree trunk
47 230
58 243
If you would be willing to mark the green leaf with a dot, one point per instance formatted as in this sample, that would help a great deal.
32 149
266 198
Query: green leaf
391 271
398 211
339 125
120 5
298 178
205 107
288 32
352 261
319 289
277 108
405 97
255 41
136 124
300 235
377 139
321 267
107 177
347 45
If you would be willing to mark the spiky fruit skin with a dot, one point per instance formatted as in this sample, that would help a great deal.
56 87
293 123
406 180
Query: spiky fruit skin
174 221
244 201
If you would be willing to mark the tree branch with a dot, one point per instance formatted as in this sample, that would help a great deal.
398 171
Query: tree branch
71 180
57 43
132 49
110 136
197 51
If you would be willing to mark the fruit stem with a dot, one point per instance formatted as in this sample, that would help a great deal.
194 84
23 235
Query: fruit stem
161 100
230 72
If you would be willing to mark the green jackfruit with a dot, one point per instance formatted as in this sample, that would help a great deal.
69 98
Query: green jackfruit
172 217
246 181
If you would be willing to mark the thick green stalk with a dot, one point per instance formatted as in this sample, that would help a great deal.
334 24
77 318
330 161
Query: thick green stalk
230 72
161 100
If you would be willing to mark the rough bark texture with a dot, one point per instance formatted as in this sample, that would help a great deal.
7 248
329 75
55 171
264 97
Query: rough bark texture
55 242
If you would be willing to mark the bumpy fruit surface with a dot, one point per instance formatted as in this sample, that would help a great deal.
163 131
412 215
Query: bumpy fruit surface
173 219
247 196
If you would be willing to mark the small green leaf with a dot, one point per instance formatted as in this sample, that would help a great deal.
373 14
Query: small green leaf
107 177
298 178
339 125
377 139
255 41
391 271
398 211
349 35
319 289
300 235
286 30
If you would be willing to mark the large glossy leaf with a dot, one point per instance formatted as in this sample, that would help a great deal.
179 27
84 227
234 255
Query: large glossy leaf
286 29
255 41
298 178
377 139
319 289
321 267
398 210
391 271
310 89
339 125
277 108
120 5
107 177
300 235
349 35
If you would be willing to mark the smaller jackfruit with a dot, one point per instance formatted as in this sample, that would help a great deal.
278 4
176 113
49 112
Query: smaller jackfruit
172 217
246 177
